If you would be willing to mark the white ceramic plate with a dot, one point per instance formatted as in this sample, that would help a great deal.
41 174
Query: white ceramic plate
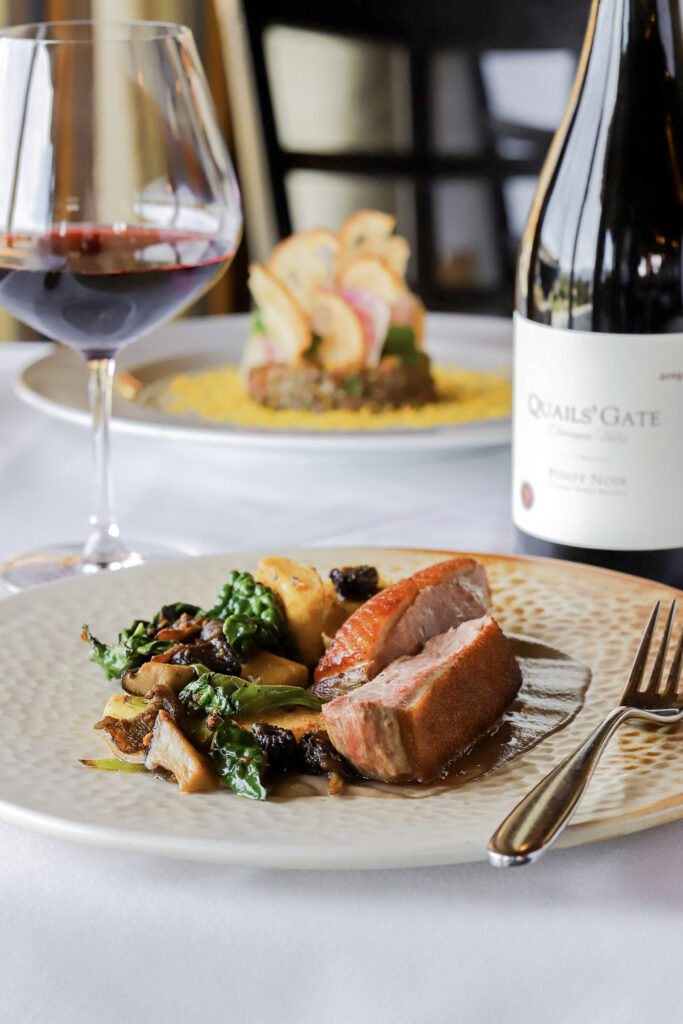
53 695
56 384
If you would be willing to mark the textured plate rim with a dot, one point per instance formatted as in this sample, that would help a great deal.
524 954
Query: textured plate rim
301 855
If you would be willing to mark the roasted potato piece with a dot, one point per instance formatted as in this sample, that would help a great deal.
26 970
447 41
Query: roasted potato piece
336 611
297 720
124 705
301 591
275 671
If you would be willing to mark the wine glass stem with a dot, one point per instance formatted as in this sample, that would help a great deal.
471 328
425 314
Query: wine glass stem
103 545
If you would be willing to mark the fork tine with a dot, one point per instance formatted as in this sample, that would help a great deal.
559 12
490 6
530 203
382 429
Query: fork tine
658 667
675 671
638 666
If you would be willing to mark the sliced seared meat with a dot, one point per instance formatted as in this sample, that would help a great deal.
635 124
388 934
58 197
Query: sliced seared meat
399 620
422 712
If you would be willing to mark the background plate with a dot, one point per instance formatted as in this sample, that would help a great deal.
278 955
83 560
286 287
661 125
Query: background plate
56 384
53 695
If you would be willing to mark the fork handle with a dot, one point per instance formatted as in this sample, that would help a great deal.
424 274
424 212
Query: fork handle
538 819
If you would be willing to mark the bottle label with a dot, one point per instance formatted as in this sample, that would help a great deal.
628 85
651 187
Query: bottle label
598 437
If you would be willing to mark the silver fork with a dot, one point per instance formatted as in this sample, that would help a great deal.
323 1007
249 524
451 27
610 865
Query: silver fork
540 817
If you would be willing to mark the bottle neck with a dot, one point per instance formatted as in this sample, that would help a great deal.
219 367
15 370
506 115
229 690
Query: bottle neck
626 26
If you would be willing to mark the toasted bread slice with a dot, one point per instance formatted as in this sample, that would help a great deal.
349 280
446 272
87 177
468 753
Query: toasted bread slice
394 250
372 273
364 225
282 316
305 263
340 327
370 232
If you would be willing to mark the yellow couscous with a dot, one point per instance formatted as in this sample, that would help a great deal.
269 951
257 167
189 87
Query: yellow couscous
218 396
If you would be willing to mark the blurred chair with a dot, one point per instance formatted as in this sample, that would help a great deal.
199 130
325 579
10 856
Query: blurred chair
433 109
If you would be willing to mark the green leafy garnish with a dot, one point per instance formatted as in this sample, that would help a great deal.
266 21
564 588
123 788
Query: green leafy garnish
247 634
256 324
229 696
400 342
258 697
212 691
239 761
135 646
112 764
253 617
316 342
243 595
353 386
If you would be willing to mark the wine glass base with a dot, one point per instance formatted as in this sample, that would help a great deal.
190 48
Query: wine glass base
64 561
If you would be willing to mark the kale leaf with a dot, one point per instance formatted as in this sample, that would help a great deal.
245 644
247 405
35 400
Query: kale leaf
311 351
228 695
400 342
247 634
254 619
242 595
212 691
256 698
257 325
239 761
135 646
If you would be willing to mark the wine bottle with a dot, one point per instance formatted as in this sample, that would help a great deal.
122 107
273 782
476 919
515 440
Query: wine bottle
598 365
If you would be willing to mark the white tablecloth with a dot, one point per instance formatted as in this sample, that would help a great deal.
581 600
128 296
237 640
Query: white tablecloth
590 935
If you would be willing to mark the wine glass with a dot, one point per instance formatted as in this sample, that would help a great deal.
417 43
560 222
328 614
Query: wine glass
118 207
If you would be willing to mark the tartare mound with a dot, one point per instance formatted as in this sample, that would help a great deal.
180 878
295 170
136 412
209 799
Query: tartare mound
389 385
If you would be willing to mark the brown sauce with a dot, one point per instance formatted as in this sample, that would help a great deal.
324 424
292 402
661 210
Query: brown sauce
552 693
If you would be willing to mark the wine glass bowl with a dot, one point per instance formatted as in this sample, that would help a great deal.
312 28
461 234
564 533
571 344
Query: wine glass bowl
118 208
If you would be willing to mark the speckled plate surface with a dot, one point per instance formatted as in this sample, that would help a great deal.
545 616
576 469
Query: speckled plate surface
55 694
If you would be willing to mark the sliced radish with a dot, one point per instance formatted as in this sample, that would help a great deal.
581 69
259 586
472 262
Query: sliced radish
374 314
260 350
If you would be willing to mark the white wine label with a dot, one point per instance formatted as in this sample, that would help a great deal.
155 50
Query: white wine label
598 437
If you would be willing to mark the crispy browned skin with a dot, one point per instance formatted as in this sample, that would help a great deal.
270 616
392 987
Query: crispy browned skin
421 713
369 640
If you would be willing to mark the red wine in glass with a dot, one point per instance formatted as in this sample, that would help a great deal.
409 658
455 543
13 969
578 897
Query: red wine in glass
97 288
118 207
